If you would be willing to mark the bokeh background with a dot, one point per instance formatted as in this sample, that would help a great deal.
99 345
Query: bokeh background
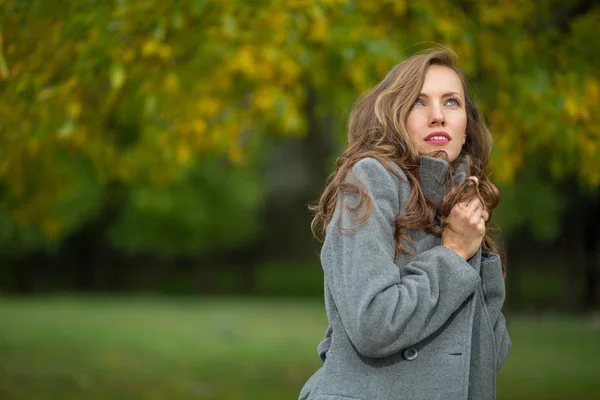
157 158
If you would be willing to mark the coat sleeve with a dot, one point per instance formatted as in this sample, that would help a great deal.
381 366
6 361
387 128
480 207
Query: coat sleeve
494 294
382 311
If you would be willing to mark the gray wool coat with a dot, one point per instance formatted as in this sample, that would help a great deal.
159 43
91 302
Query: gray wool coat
426 326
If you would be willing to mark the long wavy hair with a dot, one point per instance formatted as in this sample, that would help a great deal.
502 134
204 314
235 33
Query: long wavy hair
377 128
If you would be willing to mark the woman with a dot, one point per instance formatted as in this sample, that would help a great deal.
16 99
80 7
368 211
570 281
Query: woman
413 283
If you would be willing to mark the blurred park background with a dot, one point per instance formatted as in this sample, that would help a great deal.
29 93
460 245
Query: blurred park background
157 158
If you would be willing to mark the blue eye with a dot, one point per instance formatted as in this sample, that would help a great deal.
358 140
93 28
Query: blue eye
452 102
418 102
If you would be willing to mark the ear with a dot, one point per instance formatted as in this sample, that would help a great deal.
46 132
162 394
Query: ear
464 138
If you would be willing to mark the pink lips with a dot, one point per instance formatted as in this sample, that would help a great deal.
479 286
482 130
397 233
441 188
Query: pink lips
437 138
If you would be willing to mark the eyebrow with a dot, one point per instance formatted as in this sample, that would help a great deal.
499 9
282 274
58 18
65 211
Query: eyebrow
444 95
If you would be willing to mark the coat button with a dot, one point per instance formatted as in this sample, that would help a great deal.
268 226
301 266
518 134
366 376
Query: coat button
410 354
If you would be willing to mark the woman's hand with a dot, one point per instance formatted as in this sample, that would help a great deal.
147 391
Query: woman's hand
466 227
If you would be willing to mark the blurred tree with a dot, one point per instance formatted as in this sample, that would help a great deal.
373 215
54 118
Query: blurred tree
140 91
212 209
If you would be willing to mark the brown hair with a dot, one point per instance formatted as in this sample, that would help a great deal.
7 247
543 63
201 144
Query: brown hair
377 128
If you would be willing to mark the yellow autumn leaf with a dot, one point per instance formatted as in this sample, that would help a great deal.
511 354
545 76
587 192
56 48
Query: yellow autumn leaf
182 155
209 106
171 82
150 47
297 3
368 5
245 60
399 6
571 107
448 26
356 74
164 51
264 99
318 33
293 123
592 90
198 126
277 19
74 109
290 71
117 76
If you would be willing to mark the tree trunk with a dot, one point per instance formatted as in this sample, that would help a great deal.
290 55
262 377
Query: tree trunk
24 269
247 275
591 244
574 229
205 276
514 291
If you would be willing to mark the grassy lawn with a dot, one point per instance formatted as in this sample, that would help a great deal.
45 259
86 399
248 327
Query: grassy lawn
118 348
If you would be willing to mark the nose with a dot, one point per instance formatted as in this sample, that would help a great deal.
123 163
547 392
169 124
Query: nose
436 116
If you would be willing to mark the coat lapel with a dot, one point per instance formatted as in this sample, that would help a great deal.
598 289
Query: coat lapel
437 176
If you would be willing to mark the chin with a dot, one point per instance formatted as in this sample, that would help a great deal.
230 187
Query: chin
452 158
440 153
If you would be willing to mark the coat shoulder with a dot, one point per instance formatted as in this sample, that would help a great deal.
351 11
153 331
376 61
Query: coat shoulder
371 171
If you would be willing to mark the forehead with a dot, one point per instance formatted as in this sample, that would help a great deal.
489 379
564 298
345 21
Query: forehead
440 79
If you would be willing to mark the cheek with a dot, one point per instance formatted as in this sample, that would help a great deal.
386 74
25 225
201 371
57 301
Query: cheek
462 123
459 128
413 124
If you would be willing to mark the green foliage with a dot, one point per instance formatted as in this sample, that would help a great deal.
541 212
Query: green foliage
72 197
531 201
143 90
212 206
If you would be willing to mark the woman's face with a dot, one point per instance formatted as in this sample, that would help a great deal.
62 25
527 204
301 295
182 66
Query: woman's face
438 118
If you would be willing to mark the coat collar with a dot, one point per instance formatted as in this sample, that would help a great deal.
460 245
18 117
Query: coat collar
433 174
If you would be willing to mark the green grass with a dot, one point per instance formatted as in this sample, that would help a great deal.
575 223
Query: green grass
118 348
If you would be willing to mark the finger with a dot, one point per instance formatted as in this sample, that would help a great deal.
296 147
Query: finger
463 206
485 215
474 204
460 207
481 226
474 179
469 202
476 216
